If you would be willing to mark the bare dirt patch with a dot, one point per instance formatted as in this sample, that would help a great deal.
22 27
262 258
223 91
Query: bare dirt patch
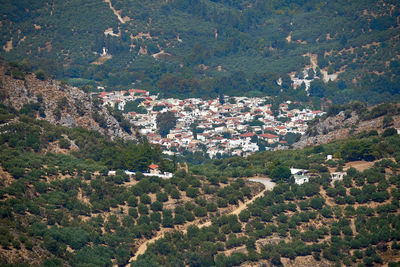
161 54
359 165
117 13
304 261
110 32
8 46
5 178
289 38
141 35
101 60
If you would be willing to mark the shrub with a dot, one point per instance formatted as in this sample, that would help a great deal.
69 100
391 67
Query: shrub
132 201
317 203
280 173
211 207
200 212
389 132
244 216
145 199
192 192
41 75
156 206
64 143
162 196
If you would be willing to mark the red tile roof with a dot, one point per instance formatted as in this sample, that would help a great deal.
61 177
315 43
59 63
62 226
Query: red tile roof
102 94
153 166
138 91
269 136
247 135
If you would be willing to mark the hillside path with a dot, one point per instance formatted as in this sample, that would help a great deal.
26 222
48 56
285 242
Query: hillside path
115 11
269 185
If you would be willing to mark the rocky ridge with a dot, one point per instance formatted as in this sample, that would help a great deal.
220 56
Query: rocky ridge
60 103
340 127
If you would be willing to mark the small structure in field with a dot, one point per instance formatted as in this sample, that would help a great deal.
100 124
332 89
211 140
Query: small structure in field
154 169
338 176
300 175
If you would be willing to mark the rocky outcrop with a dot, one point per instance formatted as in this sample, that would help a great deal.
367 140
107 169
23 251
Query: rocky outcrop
60 104
339 127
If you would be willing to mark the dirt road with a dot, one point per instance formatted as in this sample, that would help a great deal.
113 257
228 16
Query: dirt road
115 11
269 185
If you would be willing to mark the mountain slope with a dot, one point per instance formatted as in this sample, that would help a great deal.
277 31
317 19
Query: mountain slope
342 122
190 47
60 206
57 102
347 221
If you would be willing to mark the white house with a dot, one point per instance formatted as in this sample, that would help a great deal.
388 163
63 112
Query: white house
299 175
252 147
154 169
338 176
300 179
294 171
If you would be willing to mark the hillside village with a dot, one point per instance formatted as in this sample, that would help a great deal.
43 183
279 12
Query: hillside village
225 126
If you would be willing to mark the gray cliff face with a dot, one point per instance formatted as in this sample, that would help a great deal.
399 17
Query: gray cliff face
62 104
327 130
339 127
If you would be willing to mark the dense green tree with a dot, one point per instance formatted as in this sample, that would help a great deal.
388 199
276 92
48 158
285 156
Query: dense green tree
165 122
280 173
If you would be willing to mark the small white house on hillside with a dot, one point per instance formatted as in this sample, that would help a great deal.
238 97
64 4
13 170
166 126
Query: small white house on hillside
300 176
338 176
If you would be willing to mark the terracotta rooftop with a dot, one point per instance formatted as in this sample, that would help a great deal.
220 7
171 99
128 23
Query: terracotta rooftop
247 135
267 135
153 166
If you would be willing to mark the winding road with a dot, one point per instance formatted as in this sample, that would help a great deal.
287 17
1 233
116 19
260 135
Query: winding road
269 185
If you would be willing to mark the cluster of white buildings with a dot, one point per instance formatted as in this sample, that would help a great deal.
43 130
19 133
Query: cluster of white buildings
153 171
237 126
118 99
301 176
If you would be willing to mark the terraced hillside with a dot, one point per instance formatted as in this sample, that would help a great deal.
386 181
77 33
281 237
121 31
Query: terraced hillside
208 47
59 205
348 222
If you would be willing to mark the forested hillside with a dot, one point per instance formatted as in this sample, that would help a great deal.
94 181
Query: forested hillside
349 222
208 47
80 187
60 206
